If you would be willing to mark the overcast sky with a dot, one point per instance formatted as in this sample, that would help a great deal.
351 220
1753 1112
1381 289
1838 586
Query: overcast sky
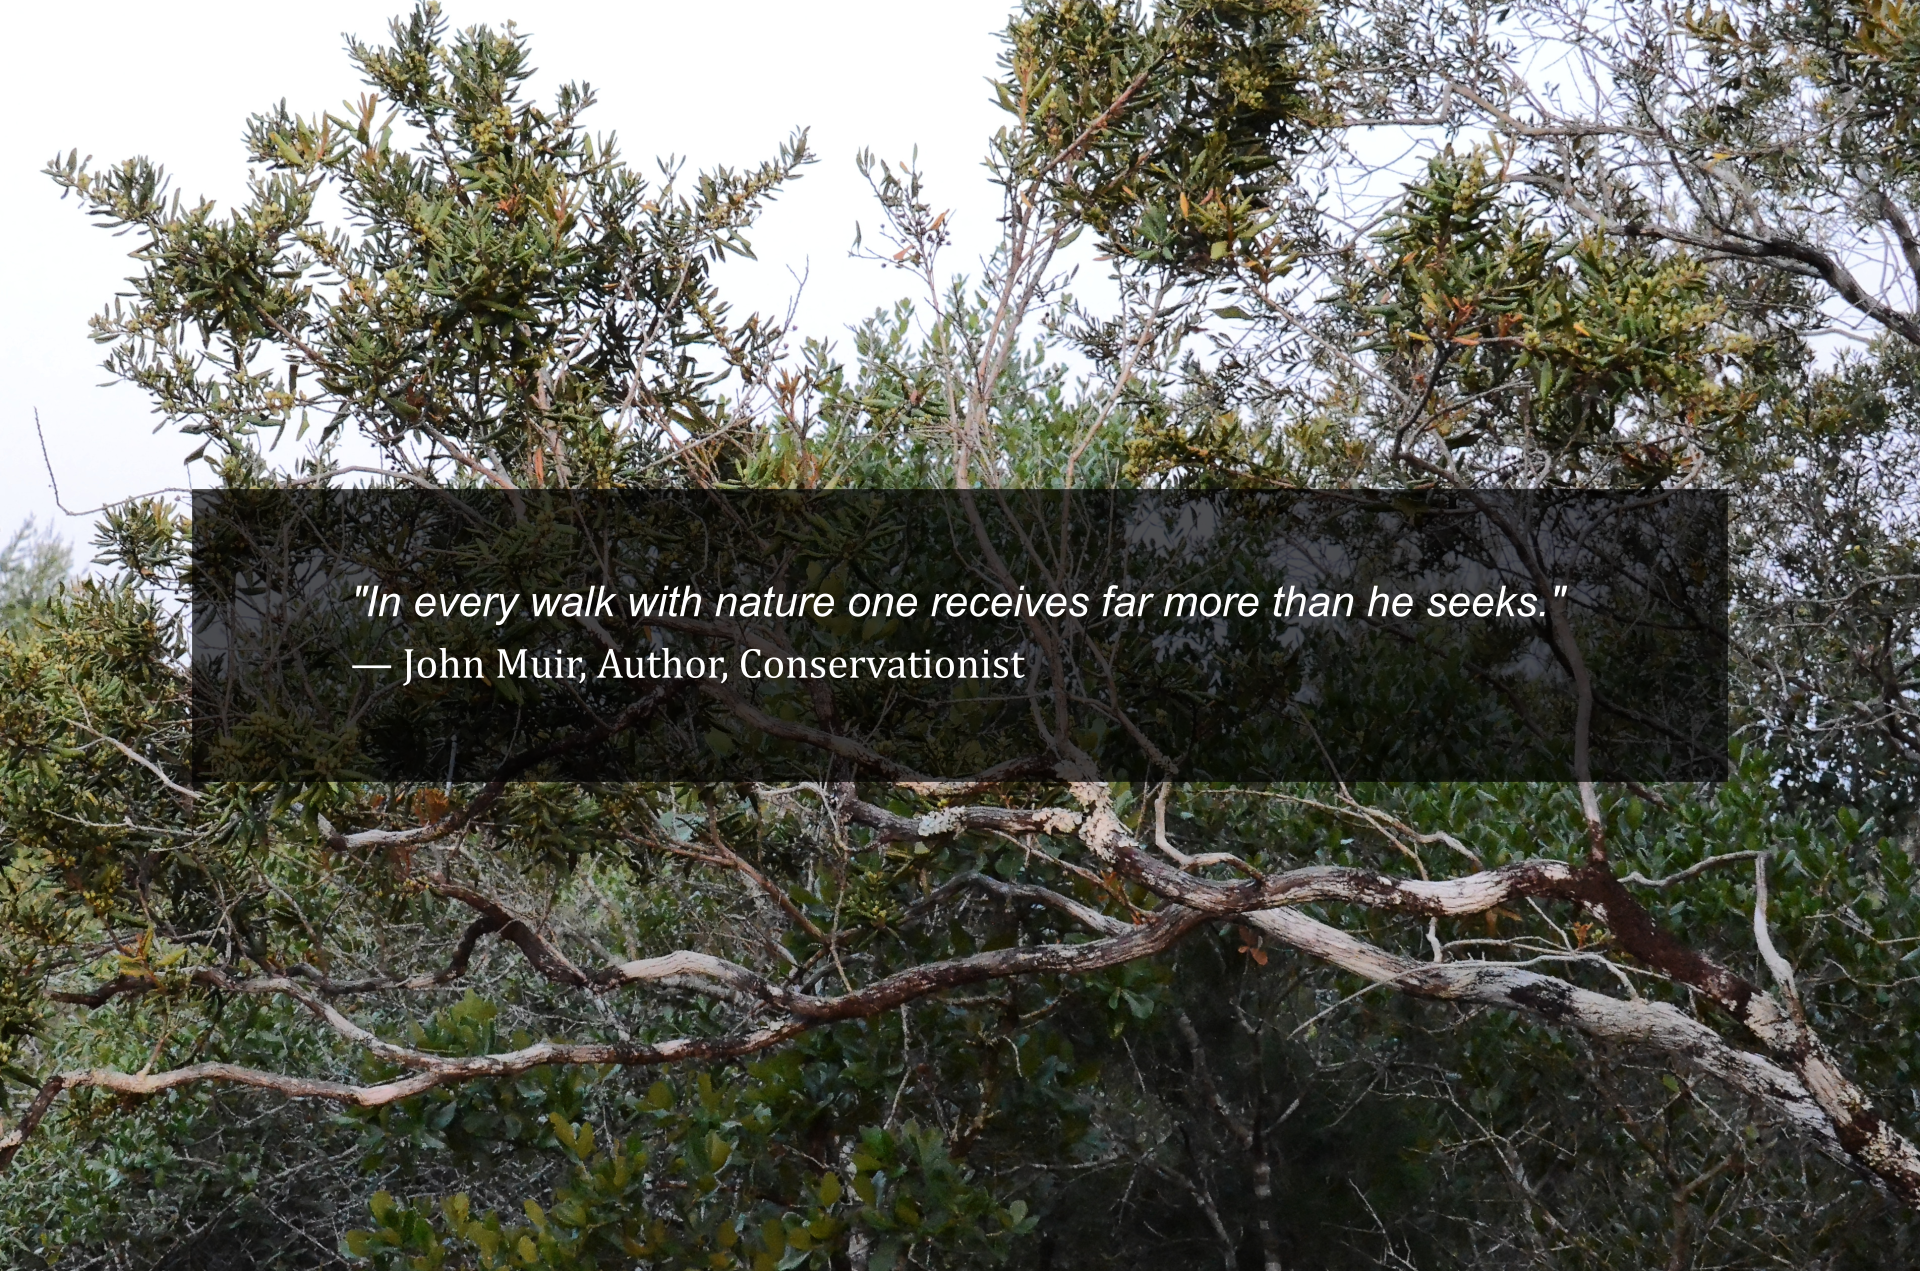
716 83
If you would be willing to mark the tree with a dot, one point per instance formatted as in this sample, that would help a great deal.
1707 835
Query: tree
513 305
32 565
891 1020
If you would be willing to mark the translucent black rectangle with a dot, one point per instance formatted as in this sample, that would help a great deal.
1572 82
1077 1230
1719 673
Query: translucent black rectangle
679 635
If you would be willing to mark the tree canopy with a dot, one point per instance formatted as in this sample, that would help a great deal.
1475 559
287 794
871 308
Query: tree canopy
1034 1018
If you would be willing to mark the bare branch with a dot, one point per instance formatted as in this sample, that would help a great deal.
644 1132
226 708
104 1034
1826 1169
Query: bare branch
1795 252
803 1011
1692 871
138 758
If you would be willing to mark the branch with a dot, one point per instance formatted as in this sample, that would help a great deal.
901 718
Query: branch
1643 1022
1165 928
135 985
442 1072
1778 966
138 758
739 863
545 958
1842 1111
1902 230
1780 249
1085 915
636 712
1641 880
895 828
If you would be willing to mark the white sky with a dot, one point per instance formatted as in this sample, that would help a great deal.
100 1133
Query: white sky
716 83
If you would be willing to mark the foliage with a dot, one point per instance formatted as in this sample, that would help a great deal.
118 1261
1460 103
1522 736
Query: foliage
1160 126
742 1199
1830 614
32 564
1630 297
512 296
